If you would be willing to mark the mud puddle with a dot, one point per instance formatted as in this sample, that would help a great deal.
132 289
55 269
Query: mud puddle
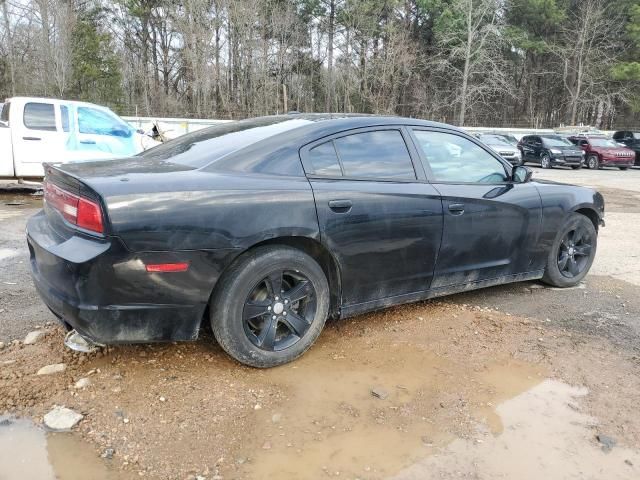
372 416
28 452
545 436
21 200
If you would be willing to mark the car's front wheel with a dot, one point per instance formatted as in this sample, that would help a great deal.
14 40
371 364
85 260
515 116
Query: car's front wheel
572 253
270 306
592 162
545 161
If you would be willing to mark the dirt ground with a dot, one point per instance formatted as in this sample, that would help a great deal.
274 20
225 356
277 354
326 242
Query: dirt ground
519 381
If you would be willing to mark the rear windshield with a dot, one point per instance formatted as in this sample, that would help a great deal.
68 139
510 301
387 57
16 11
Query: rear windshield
203 147
556 142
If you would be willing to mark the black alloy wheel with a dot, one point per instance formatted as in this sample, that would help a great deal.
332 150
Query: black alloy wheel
270 305
574 252
279 310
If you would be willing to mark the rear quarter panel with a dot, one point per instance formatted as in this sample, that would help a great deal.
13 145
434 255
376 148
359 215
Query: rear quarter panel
196 210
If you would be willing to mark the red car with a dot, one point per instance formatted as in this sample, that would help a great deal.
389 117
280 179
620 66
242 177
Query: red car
601 151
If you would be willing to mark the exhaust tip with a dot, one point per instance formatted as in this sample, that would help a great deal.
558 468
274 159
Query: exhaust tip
76 342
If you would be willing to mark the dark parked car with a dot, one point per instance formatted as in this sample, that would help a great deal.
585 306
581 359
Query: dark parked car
601 151
550 151
267 227
630 140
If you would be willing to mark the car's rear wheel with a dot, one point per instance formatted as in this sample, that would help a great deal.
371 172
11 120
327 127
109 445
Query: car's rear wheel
623 168
270 306
592 162
572 253
545 161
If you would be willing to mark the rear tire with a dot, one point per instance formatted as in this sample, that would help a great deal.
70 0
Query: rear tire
572 252
252 317
623 168
592 162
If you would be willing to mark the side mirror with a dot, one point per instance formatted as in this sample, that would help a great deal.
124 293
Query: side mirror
521 174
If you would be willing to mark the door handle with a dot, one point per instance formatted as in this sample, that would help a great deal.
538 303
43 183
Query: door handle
456 208
32 138
88 142
340 206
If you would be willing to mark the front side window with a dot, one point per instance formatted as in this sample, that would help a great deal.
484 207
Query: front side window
99 122
455 159
379 154
40 116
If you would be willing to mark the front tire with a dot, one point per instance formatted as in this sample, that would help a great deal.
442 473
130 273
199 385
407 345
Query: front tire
270 306
545 161
572 253
592 162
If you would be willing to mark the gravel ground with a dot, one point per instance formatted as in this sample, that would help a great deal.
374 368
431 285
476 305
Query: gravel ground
442 374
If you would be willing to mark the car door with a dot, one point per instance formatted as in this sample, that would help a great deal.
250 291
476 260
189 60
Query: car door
491 224
377 215
37 137
527 148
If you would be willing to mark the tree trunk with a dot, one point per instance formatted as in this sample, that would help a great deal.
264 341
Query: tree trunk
332 20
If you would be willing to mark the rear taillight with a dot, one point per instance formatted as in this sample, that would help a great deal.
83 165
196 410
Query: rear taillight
75 209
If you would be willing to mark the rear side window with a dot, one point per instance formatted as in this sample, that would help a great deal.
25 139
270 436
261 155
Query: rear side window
324 160
64 117
40 116
379 154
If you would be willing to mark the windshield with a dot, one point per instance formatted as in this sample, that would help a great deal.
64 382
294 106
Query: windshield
603 142
202 147
494 140
557 142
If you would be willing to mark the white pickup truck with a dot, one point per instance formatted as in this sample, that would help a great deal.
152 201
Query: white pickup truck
37 130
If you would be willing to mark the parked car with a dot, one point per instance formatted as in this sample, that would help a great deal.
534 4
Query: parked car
266 227
37 130
550 150
604 152
502 146
631 140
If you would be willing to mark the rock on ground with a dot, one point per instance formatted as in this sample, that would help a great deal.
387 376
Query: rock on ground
61 419
33 337
82 383
54 368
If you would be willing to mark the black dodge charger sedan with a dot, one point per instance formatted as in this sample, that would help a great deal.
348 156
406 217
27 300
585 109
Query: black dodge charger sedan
267 227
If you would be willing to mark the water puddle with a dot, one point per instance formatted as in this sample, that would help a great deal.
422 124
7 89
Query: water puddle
374 415
28 452
545 436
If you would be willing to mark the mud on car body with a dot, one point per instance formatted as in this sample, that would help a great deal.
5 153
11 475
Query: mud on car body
267 227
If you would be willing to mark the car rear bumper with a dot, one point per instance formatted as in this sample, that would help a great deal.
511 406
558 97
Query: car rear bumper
103 290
